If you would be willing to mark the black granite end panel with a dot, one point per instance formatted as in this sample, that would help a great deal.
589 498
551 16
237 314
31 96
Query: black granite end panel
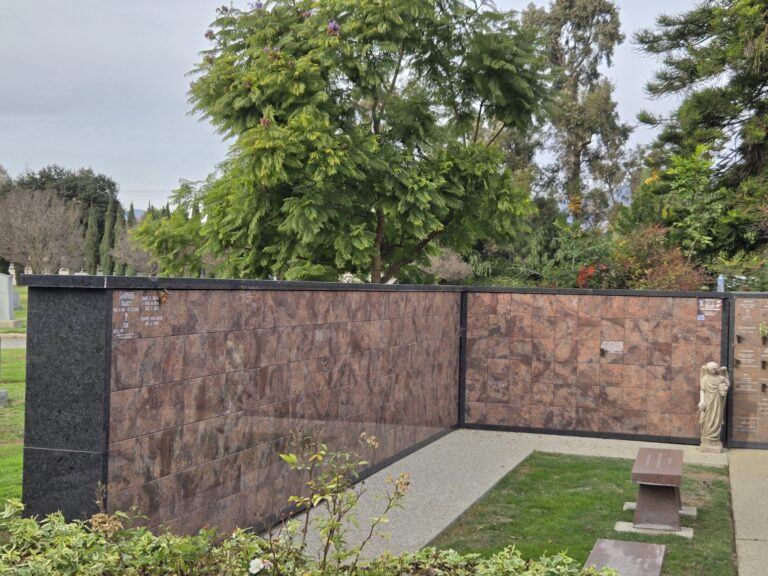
67 356
61 480
67 398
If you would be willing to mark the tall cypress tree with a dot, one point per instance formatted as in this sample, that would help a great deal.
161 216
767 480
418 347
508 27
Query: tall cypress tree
108 240
119 269
131 223
92 242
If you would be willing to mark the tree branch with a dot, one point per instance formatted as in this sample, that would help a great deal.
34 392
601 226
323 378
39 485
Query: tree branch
492 140
477 122
396 266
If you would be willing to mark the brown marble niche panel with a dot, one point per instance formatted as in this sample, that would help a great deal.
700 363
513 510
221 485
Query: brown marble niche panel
590 363
750 371
208 385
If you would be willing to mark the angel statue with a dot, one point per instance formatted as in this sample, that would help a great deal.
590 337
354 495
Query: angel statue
713 389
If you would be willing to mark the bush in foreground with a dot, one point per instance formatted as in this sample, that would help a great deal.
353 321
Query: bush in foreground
111 544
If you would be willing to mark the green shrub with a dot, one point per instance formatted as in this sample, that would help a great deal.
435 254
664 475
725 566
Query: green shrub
107 545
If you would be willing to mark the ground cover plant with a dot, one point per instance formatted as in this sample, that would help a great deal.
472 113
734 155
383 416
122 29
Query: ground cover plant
554 502
12 378
113 544
20 314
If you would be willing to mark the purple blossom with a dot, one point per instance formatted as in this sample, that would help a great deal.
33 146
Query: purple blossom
258 5
306 14
209 34
333 28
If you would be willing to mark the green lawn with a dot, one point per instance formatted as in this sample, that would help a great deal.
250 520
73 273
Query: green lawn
12 375
553 503
21 314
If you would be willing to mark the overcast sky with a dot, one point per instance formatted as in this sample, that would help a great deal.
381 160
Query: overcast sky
101 84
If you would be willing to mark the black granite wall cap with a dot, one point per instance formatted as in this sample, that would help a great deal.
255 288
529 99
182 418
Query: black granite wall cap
67 399
149 283
594 292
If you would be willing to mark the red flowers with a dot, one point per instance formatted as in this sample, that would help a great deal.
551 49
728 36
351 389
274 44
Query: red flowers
587 273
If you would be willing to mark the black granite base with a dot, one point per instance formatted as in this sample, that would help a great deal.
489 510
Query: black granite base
61 480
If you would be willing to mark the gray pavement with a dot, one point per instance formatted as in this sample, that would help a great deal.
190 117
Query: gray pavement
449 475
13 341
749 479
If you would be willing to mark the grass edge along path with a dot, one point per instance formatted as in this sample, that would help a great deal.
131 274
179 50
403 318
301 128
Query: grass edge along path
12 379
554 502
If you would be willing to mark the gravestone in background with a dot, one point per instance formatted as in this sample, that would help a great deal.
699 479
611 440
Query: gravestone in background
6 302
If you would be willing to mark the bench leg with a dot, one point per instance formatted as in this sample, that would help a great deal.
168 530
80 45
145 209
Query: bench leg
658 508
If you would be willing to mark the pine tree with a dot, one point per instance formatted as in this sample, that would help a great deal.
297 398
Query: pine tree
119 269
108 240
131 217
91 242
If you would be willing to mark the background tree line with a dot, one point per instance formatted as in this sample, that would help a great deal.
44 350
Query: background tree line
57 218
450 141
682 210
422 141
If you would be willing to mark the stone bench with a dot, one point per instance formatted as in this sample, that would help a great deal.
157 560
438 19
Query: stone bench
658 472
627 558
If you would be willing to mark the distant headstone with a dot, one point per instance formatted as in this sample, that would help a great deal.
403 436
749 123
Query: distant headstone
627 558
6 300
16 299
3 398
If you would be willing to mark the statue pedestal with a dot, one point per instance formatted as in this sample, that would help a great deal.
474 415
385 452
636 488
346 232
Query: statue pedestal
714 447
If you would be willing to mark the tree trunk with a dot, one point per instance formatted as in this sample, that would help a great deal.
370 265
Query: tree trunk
379 240
573 183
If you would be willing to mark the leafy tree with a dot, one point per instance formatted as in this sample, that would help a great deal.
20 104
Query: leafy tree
364 131
716 56
82 185
524 260
174 238
108 240
92 243
586 136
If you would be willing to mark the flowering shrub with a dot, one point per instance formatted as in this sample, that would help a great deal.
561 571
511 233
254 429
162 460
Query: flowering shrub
107 545
592 276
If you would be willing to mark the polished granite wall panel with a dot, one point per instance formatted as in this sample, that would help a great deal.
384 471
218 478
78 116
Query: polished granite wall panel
207 386
597 364
750 371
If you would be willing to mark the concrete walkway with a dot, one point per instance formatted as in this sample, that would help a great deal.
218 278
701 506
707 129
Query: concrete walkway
749 481
449 475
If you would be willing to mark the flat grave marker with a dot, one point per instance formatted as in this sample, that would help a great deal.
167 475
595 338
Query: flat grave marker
627 558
